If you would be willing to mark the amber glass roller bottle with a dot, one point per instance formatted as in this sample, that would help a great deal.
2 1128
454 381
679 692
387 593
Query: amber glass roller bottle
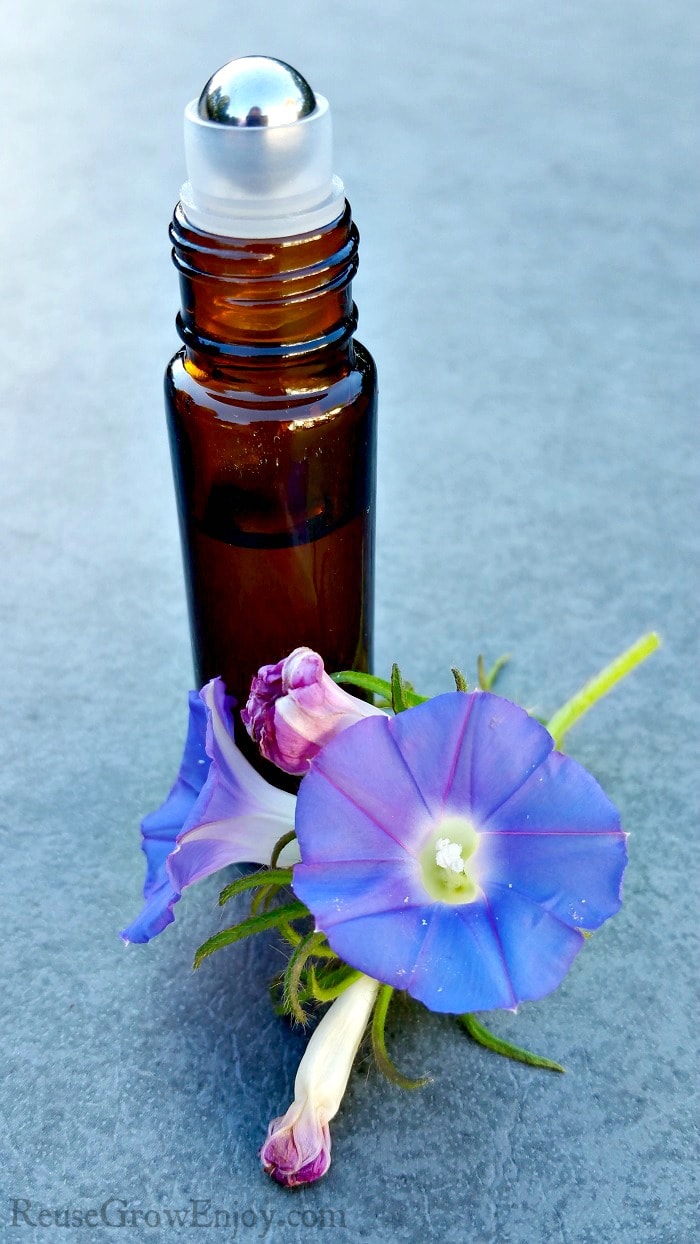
271 402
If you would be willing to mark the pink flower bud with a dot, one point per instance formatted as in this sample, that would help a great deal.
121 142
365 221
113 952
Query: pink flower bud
298 1147
295 708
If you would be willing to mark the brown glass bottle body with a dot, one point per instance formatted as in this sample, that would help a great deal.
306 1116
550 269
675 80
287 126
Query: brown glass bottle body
271 409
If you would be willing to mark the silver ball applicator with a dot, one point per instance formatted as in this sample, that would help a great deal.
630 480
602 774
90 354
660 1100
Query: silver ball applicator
259 150
256 91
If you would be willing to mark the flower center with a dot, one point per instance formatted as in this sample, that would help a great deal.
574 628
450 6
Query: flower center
445 861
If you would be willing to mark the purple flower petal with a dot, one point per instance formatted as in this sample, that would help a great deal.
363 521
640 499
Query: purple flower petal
443 734
159 830
359 888
371 774
576 876
232 784
501 747
240 839
538 949
462 959
343 820
559 797
387 943
239 816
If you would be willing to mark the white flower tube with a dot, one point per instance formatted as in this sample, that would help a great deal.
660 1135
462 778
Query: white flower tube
298 1145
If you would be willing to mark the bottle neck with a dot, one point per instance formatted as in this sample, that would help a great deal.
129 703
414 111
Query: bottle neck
267 305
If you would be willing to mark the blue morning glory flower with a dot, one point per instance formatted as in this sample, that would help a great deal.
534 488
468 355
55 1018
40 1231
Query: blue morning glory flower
450 851
219 812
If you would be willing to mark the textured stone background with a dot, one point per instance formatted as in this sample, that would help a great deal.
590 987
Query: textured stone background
524 180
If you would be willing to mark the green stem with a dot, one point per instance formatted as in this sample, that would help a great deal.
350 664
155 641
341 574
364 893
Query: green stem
292 976
280 845
330 986
482 1035
594 690
382 1059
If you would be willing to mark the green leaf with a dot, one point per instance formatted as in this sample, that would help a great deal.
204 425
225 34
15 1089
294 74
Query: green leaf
600 685
384 1063
460 680
488 680
366 682
483 1037
290 935
379 687
411 697
397 690
249 927
282 876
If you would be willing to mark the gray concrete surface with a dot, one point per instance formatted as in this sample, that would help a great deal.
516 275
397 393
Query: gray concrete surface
524 181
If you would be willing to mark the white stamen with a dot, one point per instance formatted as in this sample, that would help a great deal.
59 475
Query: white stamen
449 855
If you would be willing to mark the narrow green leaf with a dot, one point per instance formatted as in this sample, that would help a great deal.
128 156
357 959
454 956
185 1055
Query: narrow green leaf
487 681
482 1035
599 686
262 898
495 671
379 687
460 680
249 927
397 690
366 682
411 696
252 881
384 1063
290 935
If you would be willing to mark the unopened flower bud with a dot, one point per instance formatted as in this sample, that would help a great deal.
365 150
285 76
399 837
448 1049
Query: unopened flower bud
298 1145
295 708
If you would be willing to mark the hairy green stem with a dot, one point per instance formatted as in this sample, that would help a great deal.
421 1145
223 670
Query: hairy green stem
384 1063
292 976
598 686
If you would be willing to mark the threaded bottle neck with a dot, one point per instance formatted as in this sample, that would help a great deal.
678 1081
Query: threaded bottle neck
252 302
